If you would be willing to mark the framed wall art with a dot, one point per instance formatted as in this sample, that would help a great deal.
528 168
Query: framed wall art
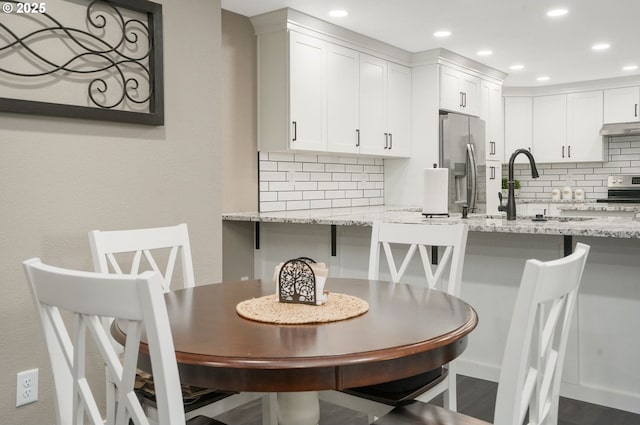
98 59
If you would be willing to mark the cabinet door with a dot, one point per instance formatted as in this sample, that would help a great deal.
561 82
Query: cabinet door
374 137
584 120
621 105
491 112
550 128
518 126
470 88
307 82
399 110
450 93
494 186
342 99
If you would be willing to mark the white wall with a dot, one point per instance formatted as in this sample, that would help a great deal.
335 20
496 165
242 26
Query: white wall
60 178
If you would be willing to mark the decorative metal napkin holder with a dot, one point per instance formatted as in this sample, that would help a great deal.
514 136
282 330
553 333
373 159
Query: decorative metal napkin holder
297 283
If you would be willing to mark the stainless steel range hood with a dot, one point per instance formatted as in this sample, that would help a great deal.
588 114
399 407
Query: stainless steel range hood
621 129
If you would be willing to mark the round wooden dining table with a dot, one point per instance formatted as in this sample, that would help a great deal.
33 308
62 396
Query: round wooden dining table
407 330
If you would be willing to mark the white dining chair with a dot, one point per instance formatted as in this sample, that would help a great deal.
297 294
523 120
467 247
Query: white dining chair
88 297
411 239
130 252
529 384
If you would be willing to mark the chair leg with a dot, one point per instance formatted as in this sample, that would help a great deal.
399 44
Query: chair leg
450 395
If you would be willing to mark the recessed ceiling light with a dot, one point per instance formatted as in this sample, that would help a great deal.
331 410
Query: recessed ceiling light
542 78
554 13
601 46
516 67
630 68
338 13
485 52
442 34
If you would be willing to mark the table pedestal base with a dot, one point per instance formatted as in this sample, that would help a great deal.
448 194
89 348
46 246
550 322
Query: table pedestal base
298 408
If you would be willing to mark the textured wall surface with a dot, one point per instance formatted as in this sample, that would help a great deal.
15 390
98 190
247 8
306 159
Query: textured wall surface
60 178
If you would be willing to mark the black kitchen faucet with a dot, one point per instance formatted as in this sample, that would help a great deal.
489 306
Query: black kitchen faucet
510 208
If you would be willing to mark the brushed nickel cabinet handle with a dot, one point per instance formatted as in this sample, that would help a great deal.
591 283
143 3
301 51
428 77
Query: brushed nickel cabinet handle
295 131
390 141
357 137
386 140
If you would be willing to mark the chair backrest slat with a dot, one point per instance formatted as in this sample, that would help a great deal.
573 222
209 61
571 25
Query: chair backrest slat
149 244
89 297
537 340
421 238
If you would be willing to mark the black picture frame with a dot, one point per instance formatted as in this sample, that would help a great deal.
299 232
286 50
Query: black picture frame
154 115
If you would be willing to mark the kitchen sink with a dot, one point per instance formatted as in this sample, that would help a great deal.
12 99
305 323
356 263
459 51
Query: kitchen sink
563 219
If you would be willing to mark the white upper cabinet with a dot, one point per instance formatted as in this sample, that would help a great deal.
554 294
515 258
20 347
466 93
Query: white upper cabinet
315 95
550 128
399 110
342 99
622 105
385 102
459 91
584 120
373 105
566 127
307 82
518 126
491 112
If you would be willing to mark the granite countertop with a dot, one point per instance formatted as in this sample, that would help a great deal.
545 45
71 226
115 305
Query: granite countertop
611 227
573 205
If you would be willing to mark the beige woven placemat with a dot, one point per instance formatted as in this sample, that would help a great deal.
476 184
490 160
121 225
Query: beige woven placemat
268 309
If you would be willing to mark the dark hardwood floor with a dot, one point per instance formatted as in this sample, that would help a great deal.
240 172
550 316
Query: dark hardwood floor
476 398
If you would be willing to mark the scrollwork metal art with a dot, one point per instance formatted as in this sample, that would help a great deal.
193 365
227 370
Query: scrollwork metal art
297 282
118 58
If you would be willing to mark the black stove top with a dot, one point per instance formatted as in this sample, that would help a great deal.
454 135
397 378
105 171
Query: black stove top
620 200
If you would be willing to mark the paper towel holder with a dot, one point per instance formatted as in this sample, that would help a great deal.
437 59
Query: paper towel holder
434 214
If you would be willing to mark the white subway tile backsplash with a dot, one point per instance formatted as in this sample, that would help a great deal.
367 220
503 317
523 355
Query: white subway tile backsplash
289 166
280 186
624 158
335 168
359 202
354 168
289 196
322 203
348 160
340 203
305 157
353 193
268 166
320 177
348 185
268 196
298 205
271 176
306 185
272 206
313 194
341 177
312 167
328 185
335 194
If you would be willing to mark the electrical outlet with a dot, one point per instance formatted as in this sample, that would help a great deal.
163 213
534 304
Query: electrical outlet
27 387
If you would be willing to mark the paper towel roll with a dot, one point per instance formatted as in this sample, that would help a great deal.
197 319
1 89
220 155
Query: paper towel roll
435 192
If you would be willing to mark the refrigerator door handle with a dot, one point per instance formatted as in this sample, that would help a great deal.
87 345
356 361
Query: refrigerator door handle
472 177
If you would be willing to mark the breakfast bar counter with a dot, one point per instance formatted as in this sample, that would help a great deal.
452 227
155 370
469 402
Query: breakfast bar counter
609 227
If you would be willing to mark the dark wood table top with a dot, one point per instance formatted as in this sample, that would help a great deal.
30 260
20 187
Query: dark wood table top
407 330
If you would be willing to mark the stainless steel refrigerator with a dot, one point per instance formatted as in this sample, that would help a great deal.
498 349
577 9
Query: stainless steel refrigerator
462 151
